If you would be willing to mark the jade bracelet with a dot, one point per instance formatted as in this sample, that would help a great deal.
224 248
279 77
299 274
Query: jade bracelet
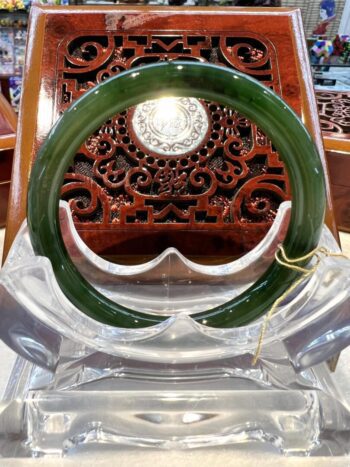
185 79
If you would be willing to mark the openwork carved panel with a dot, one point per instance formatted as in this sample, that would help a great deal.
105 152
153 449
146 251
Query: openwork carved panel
334 111
232 178
242 183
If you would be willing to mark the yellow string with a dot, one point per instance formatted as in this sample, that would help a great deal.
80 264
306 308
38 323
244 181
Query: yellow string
290 263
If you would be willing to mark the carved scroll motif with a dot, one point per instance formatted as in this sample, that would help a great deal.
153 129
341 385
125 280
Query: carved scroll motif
234 177
334 111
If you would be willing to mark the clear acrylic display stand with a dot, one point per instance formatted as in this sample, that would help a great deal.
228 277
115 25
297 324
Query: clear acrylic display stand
80 385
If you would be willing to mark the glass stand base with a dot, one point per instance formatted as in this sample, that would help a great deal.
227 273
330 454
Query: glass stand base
92 388
126 412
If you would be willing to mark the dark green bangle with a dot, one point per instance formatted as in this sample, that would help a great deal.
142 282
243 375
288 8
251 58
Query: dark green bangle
209 82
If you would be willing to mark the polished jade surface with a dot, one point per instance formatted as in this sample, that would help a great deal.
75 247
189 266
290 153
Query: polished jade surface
210 82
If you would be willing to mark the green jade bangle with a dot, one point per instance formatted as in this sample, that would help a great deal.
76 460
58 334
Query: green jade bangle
213 83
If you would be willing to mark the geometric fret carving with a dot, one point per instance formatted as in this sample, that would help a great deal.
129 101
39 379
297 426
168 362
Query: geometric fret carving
214 197
233 178
334 112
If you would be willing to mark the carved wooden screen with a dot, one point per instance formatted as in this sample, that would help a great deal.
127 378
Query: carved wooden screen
334 111
216 199
232 181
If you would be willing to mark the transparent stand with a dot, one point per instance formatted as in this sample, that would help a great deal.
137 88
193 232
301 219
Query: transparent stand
81 386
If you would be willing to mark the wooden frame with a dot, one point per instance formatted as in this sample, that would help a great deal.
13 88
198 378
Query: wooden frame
279 26
8 126
334 108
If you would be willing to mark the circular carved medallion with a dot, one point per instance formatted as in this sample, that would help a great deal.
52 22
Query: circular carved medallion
170 126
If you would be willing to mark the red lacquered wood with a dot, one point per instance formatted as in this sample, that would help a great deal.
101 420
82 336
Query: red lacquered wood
8 124
71 49
334 111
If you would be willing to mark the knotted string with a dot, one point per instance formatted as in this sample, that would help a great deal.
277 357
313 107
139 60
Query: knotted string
291 263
